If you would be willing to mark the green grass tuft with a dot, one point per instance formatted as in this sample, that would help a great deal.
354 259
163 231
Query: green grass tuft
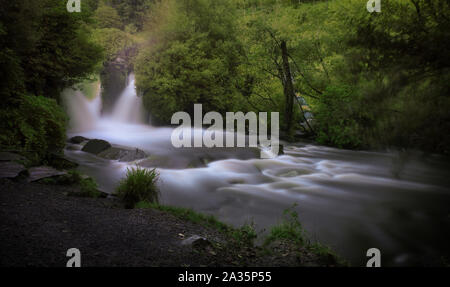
290 229
245 235
139 185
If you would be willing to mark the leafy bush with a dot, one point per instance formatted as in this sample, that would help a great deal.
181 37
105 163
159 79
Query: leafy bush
112 40
35 126
337 117
106 17
139 185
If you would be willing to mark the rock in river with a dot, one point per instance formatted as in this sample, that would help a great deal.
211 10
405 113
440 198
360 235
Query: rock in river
78 140
96 146
123 154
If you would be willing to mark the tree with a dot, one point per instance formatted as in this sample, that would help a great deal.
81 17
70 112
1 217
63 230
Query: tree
194 58
133 12
107 17
44 50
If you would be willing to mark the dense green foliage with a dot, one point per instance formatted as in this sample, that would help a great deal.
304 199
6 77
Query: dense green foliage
133 13
35 126
107 17
44 49
337 118
194 58
370 79
403 61
113 40
139 185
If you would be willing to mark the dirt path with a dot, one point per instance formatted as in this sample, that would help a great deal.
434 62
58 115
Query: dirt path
39 223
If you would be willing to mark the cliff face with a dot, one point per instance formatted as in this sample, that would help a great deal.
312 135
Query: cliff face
114 77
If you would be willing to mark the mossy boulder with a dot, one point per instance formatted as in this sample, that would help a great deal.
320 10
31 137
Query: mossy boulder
96 146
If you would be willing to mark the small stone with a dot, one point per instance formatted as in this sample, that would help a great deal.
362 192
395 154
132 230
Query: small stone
196 242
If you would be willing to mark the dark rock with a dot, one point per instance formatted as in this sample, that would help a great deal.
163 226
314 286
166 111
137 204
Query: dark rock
103 194
114 77
123 154
41 172
9 169
78 140
96 146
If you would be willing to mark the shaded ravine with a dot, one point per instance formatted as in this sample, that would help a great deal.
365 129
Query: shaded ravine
351 200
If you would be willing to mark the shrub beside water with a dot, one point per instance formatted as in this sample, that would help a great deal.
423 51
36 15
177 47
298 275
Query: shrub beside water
139 185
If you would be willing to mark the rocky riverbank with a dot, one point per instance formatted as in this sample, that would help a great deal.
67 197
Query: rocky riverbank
40 222
44 212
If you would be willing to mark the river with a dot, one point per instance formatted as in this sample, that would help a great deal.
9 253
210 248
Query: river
395 201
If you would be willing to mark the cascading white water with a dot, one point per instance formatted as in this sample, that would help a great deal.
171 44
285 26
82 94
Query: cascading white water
83 113
129 107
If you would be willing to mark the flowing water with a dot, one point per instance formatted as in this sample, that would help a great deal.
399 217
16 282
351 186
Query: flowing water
397 202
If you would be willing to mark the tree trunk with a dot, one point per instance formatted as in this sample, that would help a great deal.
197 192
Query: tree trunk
289 92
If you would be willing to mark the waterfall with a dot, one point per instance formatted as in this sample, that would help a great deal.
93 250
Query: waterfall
129 107
83 113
